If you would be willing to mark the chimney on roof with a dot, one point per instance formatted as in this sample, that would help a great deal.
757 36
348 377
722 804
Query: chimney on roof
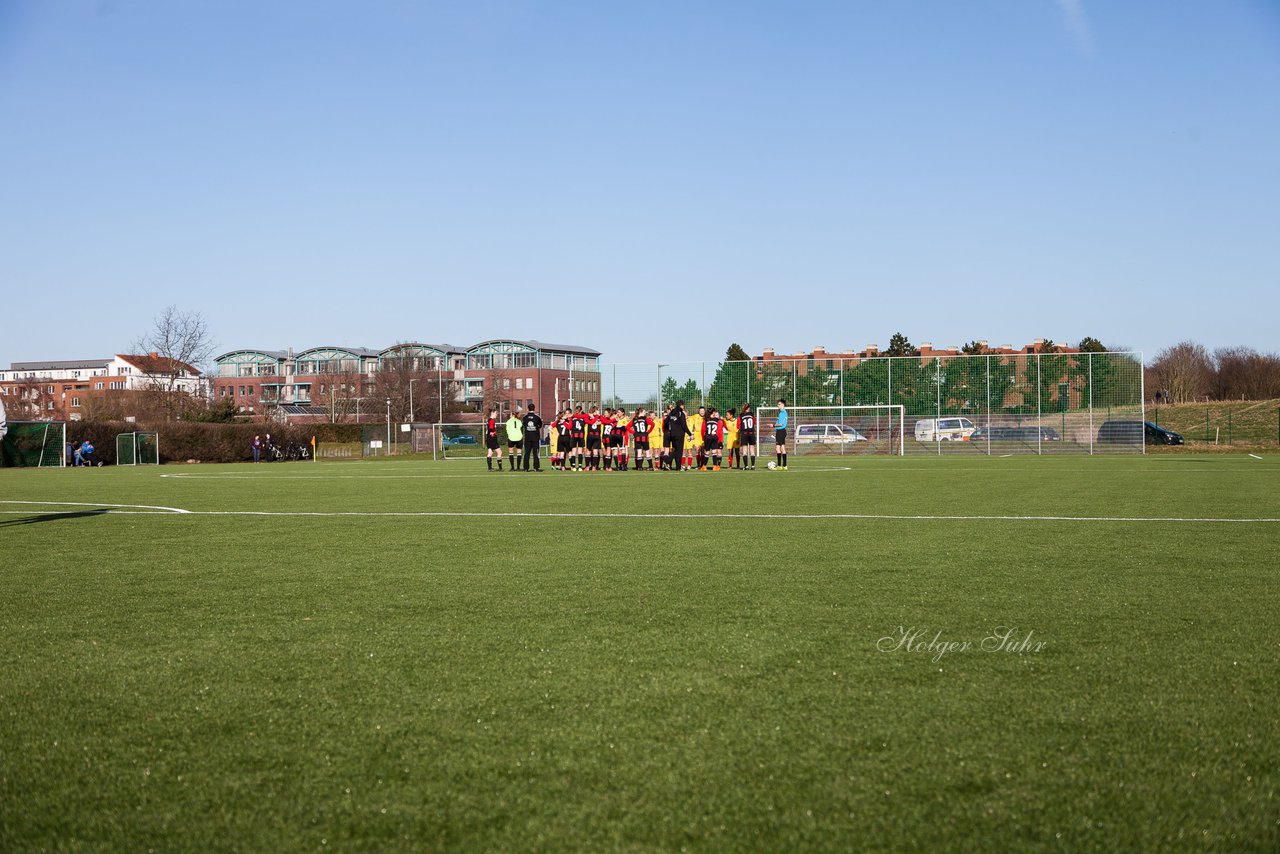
926 345
1038 341
819 350
873 348
768 352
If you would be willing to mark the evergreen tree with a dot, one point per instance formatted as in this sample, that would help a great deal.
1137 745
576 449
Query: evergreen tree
900 346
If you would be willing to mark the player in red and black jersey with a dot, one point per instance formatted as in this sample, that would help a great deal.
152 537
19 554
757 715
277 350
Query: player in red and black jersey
564 444
712 439
640 428
747 436
593 439
578 436
607 428
491 448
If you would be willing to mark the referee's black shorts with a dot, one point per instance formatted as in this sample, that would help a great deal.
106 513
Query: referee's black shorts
780 436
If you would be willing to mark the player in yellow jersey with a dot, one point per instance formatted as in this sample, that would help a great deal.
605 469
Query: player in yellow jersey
693 450
731 439
656 443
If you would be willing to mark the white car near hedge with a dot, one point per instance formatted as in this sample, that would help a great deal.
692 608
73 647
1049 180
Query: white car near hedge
949 429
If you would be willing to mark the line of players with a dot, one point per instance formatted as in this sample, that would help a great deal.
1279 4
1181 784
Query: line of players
610 440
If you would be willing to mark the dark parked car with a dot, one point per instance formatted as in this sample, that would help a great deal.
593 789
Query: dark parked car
450 441
1128 433
999 433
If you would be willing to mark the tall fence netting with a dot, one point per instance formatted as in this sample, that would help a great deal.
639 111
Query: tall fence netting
1038 403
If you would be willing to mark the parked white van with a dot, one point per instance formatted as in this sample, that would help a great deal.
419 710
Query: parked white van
953 429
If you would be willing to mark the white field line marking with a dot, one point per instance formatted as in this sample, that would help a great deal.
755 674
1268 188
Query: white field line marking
1255 456
168 511
150 507
420 476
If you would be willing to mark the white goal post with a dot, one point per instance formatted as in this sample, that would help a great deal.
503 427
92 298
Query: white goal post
857 429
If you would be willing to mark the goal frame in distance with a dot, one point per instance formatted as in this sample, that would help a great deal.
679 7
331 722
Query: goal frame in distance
769 414
132 458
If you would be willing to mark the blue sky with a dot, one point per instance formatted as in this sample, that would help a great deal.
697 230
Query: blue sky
654 179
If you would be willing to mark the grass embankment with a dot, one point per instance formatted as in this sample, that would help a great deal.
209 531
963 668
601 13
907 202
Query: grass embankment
1245 422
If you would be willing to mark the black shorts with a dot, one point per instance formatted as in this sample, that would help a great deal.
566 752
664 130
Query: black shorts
491 442
576 441
593 441
640 444
747 439
710 444
780 436
515 445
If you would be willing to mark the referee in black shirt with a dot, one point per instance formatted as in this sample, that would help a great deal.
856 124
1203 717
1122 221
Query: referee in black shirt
532 424
676 428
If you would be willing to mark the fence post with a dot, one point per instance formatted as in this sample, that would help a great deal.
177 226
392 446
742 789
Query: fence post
988 421
1090 404
1229 425
1038 413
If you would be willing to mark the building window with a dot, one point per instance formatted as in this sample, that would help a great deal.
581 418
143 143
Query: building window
506 383
524 360
519 382
75 401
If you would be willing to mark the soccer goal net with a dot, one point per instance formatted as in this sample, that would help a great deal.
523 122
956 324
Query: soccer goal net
814 430
34 444
134 449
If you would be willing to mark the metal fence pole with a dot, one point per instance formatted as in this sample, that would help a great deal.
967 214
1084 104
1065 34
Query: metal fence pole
937 386
1038 384
1090 404
988 422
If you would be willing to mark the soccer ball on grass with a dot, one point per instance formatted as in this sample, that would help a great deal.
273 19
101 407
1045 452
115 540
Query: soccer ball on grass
772 465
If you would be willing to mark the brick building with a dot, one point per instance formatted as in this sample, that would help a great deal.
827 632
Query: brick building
335 383
59 390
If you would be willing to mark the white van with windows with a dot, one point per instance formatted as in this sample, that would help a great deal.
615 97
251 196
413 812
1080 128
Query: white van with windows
947 429
827 434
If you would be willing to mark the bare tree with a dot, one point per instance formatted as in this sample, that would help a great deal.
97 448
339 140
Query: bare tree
27 400
495 395
415 386
1184 371
180 341
1245 374
338 395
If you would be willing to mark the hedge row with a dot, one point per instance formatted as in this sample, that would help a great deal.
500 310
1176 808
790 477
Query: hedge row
209 443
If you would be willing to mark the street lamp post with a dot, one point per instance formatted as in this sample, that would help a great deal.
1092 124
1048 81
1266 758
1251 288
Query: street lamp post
388 425
411 382
658 404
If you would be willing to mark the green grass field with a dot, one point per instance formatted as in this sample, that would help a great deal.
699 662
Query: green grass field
324 656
